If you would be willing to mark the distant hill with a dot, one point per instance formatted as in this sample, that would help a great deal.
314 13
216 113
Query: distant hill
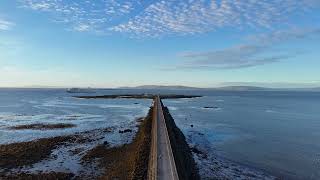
256 88
243 88
177 87
225 88
316 89
231 88
161 87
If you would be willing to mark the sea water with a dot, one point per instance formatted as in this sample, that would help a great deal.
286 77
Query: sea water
276 132
50 106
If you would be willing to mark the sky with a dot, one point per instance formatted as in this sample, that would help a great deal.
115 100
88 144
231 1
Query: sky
202 43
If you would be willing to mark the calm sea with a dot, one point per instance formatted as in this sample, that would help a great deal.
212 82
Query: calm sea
277 132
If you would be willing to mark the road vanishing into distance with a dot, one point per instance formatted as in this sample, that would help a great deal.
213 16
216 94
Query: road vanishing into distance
161 163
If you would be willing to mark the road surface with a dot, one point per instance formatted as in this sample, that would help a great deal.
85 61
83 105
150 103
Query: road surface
161 163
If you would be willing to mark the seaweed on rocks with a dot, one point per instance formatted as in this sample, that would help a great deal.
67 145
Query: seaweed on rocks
129 161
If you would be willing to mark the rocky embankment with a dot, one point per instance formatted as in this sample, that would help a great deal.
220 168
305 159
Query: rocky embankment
186 166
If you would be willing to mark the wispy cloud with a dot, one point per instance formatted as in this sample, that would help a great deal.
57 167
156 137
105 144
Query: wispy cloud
241 56
190 17
5 25
163 17
258 52
86 15
82 27
284 35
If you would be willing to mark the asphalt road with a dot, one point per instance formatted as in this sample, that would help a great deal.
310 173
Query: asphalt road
161 164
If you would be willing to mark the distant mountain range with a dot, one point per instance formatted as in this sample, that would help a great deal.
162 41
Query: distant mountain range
255 88
243 88
161 87
177 87
225 88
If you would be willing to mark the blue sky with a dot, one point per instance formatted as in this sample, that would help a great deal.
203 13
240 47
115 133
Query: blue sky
205 43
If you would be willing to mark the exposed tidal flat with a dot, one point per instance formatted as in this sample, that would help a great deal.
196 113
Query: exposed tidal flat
232 135
112 150
48 133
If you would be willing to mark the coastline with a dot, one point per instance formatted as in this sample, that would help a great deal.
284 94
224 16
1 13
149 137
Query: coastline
113 161
220 167
138 96
126 161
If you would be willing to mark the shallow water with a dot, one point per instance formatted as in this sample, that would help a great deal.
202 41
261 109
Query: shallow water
91 117
28 106
245 132
278 132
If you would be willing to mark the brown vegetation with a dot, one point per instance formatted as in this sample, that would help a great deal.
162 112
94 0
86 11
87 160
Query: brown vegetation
27 153
125 96
39 176
43 126
129 161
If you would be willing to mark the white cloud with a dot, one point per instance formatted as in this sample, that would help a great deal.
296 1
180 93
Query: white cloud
189 17
164 17
82 27
247 55
40 6
85 15
241 56
284 35
5 25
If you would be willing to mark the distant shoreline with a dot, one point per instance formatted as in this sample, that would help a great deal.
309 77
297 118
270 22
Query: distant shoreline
173 88
137 96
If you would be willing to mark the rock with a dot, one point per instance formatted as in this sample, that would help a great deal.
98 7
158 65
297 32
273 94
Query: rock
210 107
109 129
198 152
139 120
125 131
105 143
